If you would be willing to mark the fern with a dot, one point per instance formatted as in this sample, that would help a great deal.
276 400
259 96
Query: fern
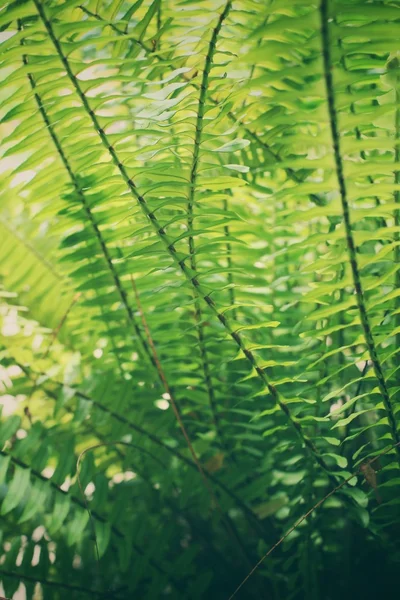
199 298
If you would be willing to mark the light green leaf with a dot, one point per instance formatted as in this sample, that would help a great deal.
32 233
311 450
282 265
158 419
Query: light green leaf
17 490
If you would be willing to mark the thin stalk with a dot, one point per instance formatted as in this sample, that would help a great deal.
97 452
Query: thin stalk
31 248
229 262
169 245
109 333
96 16
310 511
170 393
56 330
352 252
190 206
308 555
157 45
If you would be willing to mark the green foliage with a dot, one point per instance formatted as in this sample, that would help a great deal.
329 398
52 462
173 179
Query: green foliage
199 291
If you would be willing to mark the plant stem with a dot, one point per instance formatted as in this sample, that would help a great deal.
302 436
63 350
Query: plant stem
79 191
190 205
229 261
397 211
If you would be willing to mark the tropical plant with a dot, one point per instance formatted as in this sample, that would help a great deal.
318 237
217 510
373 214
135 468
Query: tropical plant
200 309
